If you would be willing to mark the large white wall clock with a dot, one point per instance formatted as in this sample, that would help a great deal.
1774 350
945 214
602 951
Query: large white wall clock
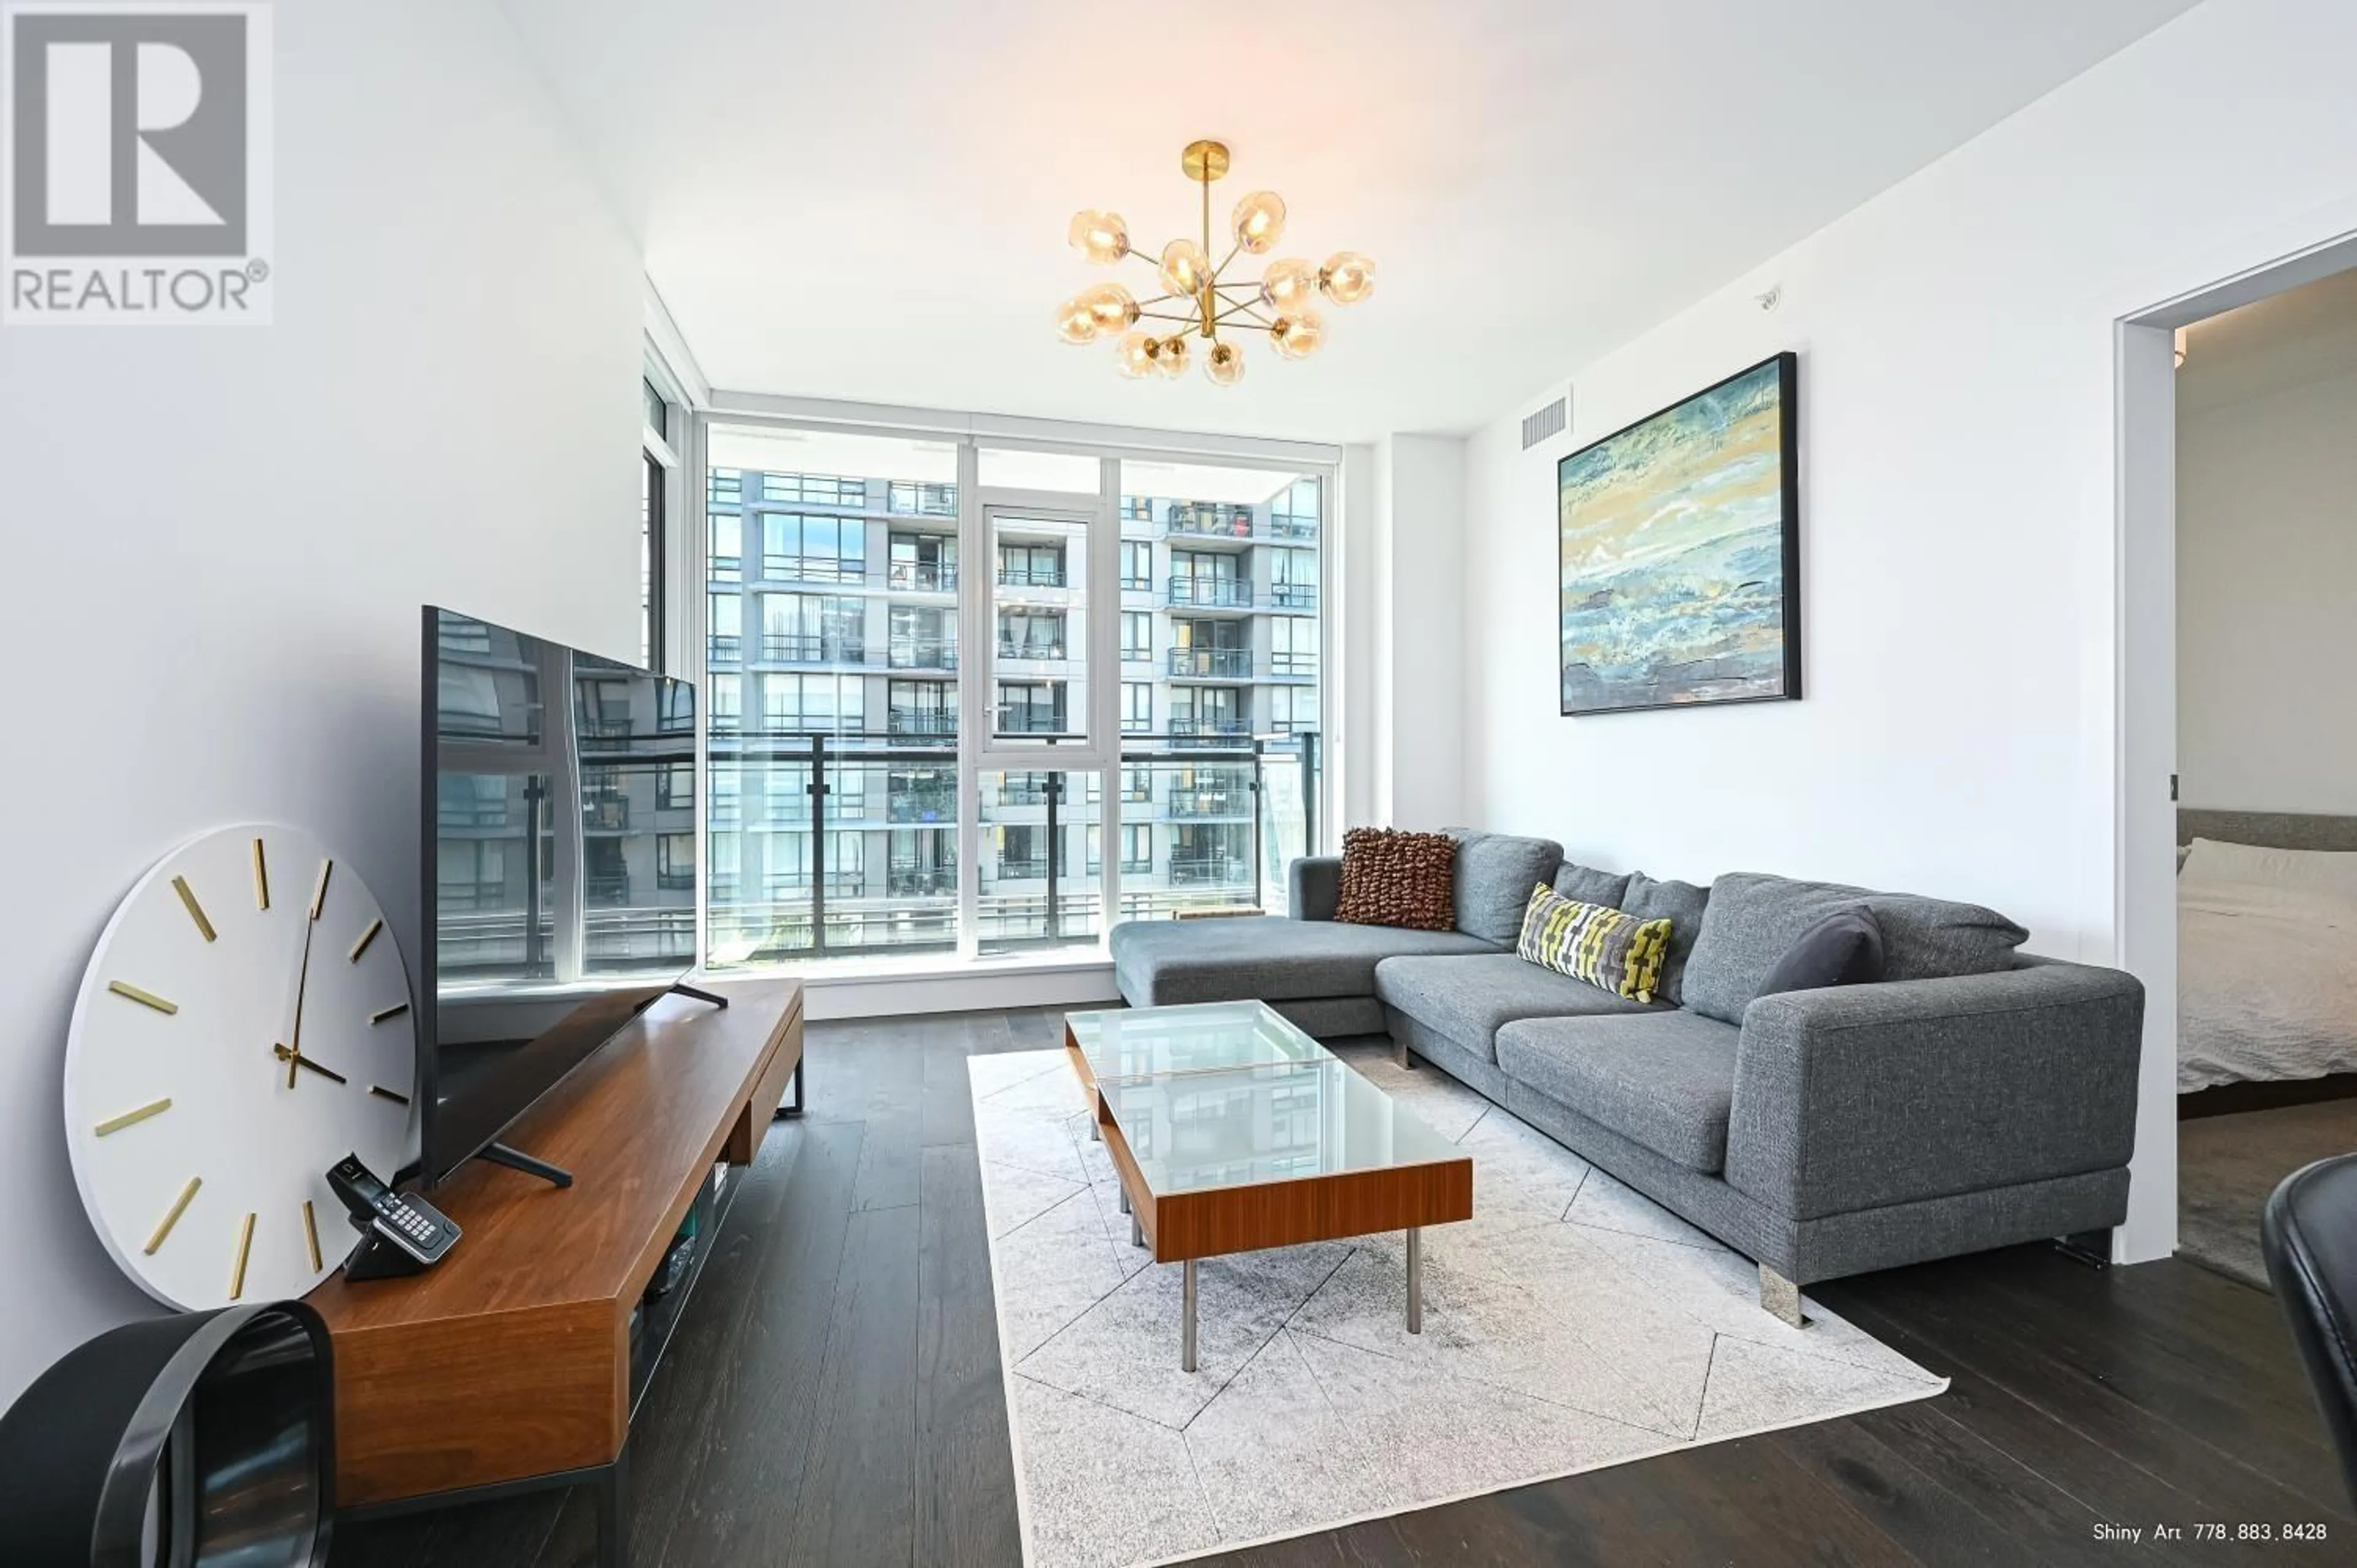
244 1025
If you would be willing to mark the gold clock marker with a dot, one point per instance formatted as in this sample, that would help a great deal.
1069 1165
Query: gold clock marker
131 1118
260 879
144 998
196 910
395 1011
311 1235
172 1215
319 888
381 1092
244 1246
367 937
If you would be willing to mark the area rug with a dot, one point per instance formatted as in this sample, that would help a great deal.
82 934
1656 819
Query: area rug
1570 1324
2227 1166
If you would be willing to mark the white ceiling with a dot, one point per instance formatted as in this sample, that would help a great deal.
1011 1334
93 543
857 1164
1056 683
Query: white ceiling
868 200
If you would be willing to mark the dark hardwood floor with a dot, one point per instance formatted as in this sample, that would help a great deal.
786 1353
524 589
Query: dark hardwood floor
833 1397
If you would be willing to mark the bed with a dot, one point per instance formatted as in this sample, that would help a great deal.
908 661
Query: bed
2266 958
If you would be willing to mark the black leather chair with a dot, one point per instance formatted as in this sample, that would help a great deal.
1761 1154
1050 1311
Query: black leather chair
2309 1232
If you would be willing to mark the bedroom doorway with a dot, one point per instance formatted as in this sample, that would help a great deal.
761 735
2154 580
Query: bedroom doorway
2266 742
2225 553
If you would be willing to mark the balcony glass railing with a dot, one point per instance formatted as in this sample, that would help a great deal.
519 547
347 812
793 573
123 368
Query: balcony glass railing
1031 577
1293 596
1047 651
810 647
916 499
1211 818
902 721
814 568
1283 527
1211 663
1199 520
1211 593
726 647
907 654
924 576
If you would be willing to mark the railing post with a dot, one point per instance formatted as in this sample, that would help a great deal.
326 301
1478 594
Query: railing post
1055 790
818 844
1258 800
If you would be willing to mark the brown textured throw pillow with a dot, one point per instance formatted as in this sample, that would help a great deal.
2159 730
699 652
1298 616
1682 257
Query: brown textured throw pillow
1396 878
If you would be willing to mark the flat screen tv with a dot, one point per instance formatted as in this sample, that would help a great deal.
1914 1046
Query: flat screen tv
558 888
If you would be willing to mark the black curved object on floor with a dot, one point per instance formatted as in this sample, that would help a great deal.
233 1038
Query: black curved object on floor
201 1439
2309 1233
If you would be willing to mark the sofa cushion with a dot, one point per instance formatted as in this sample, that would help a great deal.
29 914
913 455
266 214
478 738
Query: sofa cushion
1753 919
1664 1079
1586 885
1682 904
1608 948
1495 874
1469 998
1162 962
1843 949
1390 878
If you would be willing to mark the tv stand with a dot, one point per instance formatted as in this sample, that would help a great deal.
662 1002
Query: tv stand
511 1364
682 988
517 1160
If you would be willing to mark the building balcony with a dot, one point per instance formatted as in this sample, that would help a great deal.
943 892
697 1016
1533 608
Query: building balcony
1291 528
919 654
1210 593
813 569
1211 663
1293 596
922 806
1032 870
902 722
606 814
606 890
921 882
911 498
727 570
1199 870
1210 732
810 647
1215 802
1037 652
1031 578
923 577
1202 520
725 647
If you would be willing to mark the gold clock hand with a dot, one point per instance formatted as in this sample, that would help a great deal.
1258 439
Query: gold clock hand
302 983
294 1058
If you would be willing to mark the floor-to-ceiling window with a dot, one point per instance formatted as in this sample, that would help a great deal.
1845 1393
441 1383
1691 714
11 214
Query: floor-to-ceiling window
838 681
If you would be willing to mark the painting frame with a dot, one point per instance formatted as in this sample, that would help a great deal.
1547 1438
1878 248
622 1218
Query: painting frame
1787 488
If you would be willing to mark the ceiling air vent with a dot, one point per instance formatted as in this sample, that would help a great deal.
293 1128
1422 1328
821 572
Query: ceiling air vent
1546 423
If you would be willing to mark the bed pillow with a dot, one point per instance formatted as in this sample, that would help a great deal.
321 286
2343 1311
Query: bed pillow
2330 871
1607 947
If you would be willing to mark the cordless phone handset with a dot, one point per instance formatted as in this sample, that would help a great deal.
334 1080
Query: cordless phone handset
400 1233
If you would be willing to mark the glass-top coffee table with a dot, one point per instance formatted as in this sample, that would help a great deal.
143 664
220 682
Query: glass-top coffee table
1232 1131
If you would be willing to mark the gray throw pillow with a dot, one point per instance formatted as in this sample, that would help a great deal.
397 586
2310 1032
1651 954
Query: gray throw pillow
1586 885
1843 949
1684 906
1495 874
1753 919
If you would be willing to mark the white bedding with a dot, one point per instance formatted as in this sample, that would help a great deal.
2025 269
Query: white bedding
2267 980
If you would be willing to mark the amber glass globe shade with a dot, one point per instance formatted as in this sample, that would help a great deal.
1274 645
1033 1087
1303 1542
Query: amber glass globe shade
1102 237
1075 324
1224 364
1259 221
1348 277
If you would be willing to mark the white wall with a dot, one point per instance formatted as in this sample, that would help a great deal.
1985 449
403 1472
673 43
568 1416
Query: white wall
1957 346
1416 675
219 539
2266 593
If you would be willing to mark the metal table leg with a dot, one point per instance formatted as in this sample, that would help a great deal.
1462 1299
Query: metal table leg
793 1106
1186 1317
613 1506
1137 1232
1124 1200
1415 1279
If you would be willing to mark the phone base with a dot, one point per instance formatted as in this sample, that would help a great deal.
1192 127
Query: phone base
378 1259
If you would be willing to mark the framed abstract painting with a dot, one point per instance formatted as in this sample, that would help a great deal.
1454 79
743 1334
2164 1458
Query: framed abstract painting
1679 560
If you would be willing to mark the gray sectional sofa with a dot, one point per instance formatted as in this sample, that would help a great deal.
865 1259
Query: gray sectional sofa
1975 1097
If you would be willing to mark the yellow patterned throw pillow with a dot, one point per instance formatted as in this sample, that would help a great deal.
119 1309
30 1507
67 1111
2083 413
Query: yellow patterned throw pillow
1607 947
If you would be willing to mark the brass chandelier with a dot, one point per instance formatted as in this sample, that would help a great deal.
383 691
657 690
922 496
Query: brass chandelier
1281 302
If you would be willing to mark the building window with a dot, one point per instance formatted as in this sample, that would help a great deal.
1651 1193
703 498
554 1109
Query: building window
727 562
1031 634
921 707
1293 579
1031 707
727 702
652 478
1294 513
1032 565
923 563
1136 707
1292 709
813 629
815 490
811 705
675 861
921 637
1293 647
1136 635
726 615
1136 848
799 548
1136 566
1136 508
675 787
